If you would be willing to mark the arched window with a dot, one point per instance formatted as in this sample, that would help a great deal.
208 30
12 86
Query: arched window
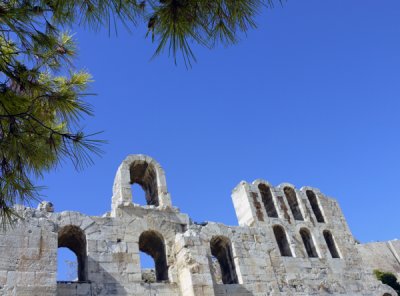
221 249
67 265
281 240
308 243
267 200
330 242
312 198
293 203
145 175
152 243
142 170
73 238
148 268
138 194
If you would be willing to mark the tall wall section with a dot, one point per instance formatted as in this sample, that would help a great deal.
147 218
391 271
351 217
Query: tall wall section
288 242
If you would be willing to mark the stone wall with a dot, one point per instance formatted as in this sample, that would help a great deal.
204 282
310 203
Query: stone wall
288 242
383 256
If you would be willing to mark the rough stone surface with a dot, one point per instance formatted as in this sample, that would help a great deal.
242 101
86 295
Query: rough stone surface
288 242
383 256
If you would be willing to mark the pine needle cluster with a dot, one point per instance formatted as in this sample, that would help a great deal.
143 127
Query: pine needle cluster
176 24
41 100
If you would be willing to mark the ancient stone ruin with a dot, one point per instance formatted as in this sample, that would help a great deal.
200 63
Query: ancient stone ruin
288 242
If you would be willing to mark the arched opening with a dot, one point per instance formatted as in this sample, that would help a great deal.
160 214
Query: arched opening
148 268
152 243
312 198
330 242
281 240
221 249
67 265
267 200
73 238
215 269
293 203
387 294
145 175
308 243
138 194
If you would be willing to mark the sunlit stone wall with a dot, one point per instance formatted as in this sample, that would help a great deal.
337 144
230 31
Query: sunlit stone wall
288 242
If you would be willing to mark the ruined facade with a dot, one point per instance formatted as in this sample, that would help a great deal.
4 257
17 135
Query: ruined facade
288 242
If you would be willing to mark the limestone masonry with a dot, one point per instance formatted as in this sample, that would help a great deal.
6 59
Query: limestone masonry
288 242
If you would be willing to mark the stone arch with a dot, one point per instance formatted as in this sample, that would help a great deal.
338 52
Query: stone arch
146 172
267 199
308 243
73 238
282 241
330 242
312 198
293 202
222 250
152 243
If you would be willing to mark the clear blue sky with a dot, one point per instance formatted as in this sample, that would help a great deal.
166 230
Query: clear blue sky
311 97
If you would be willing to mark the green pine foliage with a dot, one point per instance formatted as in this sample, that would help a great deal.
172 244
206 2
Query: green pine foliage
39 108
177 23
389 279
42 97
